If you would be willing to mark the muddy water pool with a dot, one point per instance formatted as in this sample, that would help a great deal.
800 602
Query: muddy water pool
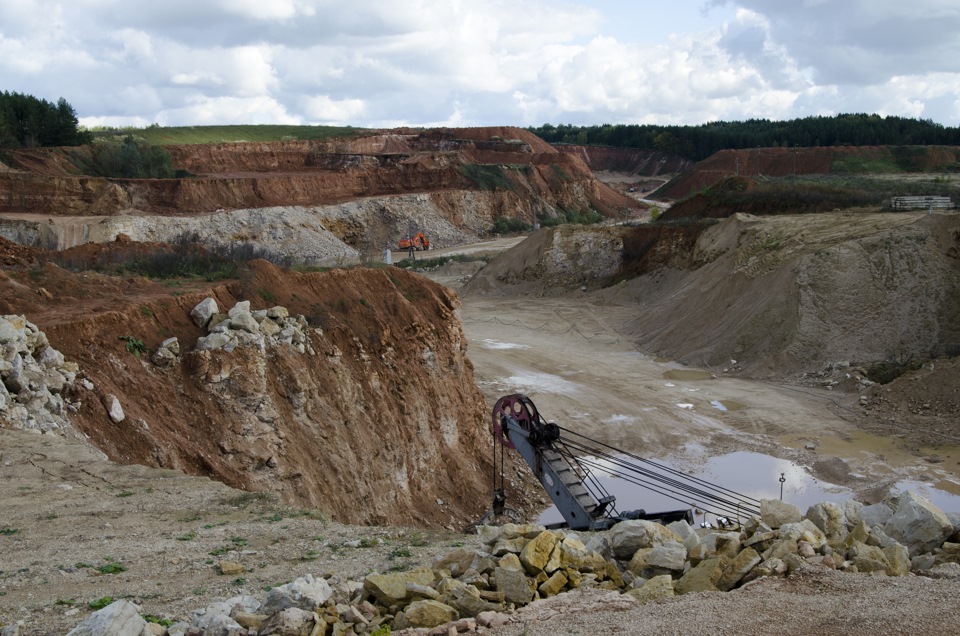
756 476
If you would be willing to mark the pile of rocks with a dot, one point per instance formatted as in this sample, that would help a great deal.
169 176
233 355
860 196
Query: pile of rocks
242 327
33 375
470 589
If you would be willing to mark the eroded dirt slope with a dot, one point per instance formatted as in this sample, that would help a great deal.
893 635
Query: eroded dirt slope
780 295
383 424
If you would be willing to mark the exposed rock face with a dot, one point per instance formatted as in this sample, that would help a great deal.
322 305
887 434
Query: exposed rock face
33 376
367 386
319 202
782 293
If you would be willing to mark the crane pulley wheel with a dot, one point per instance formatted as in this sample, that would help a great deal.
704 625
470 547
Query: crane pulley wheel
521 409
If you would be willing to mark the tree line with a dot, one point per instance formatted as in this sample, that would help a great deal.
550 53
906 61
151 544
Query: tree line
699 142
28 122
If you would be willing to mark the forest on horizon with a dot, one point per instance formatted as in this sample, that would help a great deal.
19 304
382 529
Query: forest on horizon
701 141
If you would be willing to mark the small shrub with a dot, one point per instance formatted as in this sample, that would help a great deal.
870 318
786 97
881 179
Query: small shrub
399 553
505 225
100 603
8 531
134 346
111 568
150 618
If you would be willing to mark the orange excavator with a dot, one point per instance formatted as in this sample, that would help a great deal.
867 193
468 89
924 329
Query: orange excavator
416 242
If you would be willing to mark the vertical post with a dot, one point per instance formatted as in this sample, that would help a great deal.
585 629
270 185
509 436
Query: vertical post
783 478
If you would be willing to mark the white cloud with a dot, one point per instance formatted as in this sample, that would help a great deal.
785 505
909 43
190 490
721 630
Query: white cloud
374 63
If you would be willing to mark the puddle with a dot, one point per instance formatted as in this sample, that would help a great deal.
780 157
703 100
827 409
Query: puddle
490 343
546 382
859 445
661 360
687 374
727 405
758 476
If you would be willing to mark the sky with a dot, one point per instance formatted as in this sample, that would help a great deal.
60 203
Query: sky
388 63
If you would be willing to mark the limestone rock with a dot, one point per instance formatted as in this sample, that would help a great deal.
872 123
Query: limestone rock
391 589
918 524
898 560
230 568
688 536
653 589
120 618
292 621
776 513
628 536
202 313
669 556
876 514
738 568
114 410
425 614
831 520
868 558
306 593
804 530
536 554
704 577
554 585
514 586
851 510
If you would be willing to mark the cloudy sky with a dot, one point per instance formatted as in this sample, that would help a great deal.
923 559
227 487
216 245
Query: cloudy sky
380 63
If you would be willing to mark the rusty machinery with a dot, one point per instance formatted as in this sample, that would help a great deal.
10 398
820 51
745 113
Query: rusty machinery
567 463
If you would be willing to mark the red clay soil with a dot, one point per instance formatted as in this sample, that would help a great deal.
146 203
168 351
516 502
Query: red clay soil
308 173
386 414
782 162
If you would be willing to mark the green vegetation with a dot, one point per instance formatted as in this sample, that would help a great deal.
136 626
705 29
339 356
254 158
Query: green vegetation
100 603
186 258
162 135
111 568
137 348
399 553
433 263
126 159
798 195
699 142
584 217
8 531
486 176
504 225
150 618
28 122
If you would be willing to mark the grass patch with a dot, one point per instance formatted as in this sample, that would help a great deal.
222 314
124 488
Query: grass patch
245 499
111 568
167 135
486 176
100 603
